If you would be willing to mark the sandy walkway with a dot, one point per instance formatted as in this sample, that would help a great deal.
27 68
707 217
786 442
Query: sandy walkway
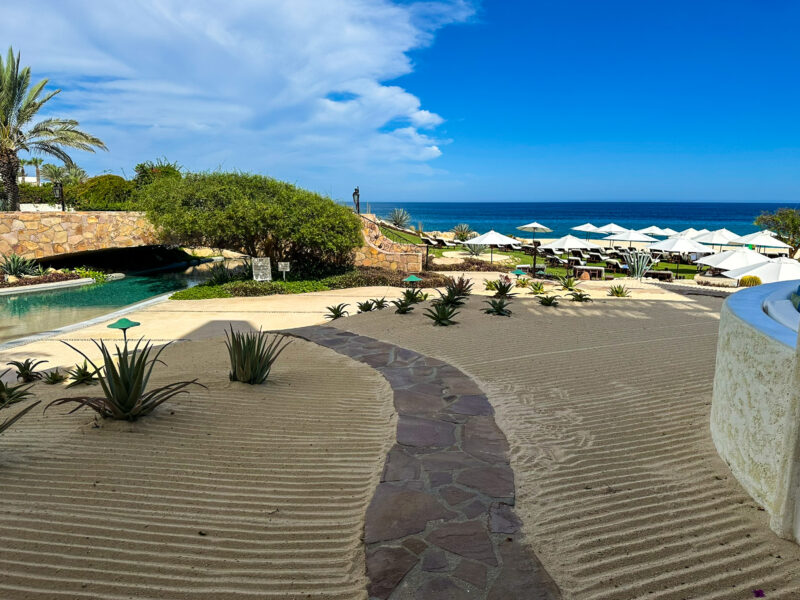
606 409
233 492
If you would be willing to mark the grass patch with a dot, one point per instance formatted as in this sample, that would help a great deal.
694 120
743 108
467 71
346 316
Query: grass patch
201 292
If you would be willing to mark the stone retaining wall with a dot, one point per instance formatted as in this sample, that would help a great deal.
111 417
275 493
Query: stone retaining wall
380 251
42 235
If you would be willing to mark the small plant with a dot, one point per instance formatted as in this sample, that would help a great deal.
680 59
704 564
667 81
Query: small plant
380 303
750 281
498 307
619 291
81 374
579 296
449 298
403 306
87 273
414 296
336 311
124 383
490 285
567 282
26 370
475 249
219 274
366 306
522 282
41 271
549 300
399 217
441 314
11 394
54 377
461 287
11 420
503 287
17 266
462 232
537 288
252 354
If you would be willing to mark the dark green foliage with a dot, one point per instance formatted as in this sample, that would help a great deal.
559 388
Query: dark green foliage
548 300
462 232
786 223
503 288
413 296
81 374
441 314
618 291
54 377
498 306
380 303
578 296
26 369
104 192
252 354
201 292
403 306
11 394
124 383
16 265
219 273
366 306
476 250
461 287
449 297
337 311
373 276
149 171
567 282
399 217
36 194
537 288
269 288
469 264
11 420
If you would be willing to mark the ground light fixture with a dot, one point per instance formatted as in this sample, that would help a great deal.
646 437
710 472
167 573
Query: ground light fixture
124 325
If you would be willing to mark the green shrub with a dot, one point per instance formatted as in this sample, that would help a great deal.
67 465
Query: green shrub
11 394
98 276
252 354
449 298
26 369
16 265
567 282
399 217
749 281
380 303
578 296
537 288
366 306
81 374
619 291
461 287
413 296
548 300
498 307
104 192
149 171
269 288
36 194
476 249
53 377
201 292
373 276
462 232
403 306
337 311
441 314
503 287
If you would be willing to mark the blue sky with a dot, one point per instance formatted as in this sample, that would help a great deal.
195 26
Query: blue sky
440 100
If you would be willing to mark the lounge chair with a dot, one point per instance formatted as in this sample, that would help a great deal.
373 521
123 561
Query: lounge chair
555 261
598 257
429 242
445 243
615 266
660 275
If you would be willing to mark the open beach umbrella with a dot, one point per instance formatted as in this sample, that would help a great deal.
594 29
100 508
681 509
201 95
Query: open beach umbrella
689 232
491 239
669 231
534 228
760 239
570 242
680 245
610 228
700 232
732 259
586 228
718 237
630 236
775 269
653 230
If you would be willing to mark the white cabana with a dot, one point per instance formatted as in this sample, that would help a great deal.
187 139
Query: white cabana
718 237
570 242
669 231
534 228
492 239
653 230
610 228
630 236
760 239
732 259
680 245
776 269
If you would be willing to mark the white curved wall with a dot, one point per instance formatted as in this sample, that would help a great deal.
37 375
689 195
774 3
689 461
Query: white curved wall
755 411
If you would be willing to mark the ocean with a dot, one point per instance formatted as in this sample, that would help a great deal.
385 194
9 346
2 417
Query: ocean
505 217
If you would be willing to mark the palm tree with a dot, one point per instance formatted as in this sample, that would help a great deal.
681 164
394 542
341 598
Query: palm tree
53 173
36 163
19 103
399 217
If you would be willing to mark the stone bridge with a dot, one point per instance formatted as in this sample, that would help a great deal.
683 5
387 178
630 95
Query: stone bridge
46 234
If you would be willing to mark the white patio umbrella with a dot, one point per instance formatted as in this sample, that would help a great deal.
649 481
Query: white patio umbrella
570 242
699 232
760 239
669 231
534 228
775 269
610 228
587 228
680 245
732 259
630 236
653 230
718 237
689 232
491 238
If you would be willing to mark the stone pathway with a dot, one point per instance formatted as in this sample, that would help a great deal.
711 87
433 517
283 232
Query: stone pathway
441 524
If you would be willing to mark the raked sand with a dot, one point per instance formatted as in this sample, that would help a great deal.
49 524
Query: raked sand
237 491
606 408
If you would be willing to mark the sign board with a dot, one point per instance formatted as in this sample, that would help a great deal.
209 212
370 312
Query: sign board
262 270
283 266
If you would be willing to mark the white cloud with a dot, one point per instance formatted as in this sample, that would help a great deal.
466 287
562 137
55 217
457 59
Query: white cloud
252 84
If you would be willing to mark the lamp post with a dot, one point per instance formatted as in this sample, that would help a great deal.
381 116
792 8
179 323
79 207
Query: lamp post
58 194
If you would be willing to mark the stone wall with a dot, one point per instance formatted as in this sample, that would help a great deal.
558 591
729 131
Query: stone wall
380 251
42 235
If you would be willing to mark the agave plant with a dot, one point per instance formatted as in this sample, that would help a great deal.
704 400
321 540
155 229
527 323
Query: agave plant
522 282
449 297
619 291
441 314
579 296
16 265
219 274
11 420
26 370
462 232
490 285
537 288
498 306
549 300
403 306
124 383
414 296
336 311
252 354
81 374
461 287
503 287
54 377
380 303
638 263
366 306
11 394
399 217
475 249
568 282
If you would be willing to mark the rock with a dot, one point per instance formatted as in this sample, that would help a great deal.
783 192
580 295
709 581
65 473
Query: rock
434 560
503 519
400 466
421 432
396 513
12 279
472 405
386 568
472 572
497 481
468 539
484 440
454 495
585 276
521 575
441 588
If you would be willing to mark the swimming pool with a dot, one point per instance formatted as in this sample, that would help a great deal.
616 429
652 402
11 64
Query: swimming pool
26 314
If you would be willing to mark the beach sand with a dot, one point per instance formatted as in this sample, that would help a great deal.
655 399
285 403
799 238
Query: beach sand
237 491
606 408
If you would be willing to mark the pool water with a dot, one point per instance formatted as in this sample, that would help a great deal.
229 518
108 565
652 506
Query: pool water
26 314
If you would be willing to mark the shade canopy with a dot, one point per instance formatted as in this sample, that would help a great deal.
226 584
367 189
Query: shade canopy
652 230
762 239
680 245
629 235
412 279
570 242
733 259
534 228
717 237
587 228
491 238
123 324
689 232
610 228
669 231
776 269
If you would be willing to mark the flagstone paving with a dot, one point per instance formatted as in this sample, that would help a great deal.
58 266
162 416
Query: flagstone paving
441 523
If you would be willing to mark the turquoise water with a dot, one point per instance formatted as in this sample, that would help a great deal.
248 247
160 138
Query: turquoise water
25 314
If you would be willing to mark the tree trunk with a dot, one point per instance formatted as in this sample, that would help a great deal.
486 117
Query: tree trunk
9 167
38 175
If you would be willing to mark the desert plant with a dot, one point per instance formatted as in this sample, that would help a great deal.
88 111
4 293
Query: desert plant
619 291
336 311
380 303
498 307
522 282
490 285
549 300
11 394
81 374
567 282
219 274
475 249
638 263
399 217
414 296
503 287
252 354
16 265
53 377
537 288
124 383
403 306
26 370
441 314
11 420
579 296
462 232
449 297
461 287
366 306
750 281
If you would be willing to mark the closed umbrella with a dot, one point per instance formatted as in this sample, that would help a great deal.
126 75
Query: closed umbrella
680 245
630 236
534 228
775 269
491 238
732 259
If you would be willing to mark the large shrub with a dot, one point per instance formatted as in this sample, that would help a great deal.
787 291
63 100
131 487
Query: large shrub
36 194
104 192
253 214
147 172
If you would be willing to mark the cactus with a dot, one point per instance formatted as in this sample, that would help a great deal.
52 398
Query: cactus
750 281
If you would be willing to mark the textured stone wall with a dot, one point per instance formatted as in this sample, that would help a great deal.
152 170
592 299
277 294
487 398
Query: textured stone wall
755 414
41 235
380 251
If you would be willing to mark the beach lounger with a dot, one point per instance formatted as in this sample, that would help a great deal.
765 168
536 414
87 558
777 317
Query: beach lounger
660 275
429 242
597 257
615 266
555 261
445 243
